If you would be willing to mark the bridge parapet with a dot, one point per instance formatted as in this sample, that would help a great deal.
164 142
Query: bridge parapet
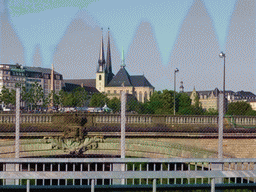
26 118
131 119
191 120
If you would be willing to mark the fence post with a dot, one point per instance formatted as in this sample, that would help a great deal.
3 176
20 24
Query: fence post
123 121
28 185
213 185
154 185
17 131
92 185
221 114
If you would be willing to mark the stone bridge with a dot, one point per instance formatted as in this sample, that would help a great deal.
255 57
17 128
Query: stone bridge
143 146
147 135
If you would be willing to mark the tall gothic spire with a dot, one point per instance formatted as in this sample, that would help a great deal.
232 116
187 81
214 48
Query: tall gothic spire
109 67
101 56
110 74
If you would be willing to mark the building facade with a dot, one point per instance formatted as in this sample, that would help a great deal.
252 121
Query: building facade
209 99
13 74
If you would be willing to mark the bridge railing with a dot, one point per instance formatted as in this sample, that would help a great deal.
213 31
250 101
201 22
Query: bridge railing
192 120
149 119
136 119
140 119
129 171
26 118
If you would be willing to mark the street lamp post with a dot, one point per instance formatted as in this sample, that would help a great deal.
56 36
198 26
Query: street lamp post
222 55
175 71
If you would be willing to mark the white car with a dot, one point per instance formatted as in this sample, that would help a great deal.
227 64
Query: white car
67 109
6 109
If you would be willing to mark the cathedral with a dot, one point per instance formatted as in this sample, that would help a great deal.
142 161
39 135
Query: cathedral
112 85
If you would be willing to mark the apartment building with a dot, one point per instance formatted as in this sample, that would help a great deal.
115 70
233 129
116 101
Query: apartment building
13 74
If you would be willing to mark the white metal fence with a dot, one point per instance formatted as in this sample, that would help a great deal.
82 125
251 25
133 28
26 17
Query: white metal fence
138 171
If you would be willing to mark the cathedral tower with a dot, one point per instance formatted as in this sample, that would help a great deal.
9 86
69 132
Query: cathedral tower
101 71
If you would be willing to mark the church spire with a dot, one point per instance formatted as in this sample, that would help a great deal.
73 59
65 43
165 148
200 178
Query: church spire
123 64
101 56
109 66
110 75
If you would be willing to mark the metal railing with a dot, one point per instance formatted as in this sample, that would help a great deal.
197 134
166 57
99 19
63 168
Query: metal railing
138 171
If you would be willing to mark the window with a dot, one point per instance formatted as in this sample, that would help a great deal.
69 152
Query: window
114 91
145 96
140 97
127 91
108 91
100 77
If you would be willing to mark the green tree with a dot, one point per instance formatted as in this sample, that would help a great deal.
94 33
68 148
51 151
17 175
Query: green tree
7 96
134 105
62 98
183 103
33 96
114 104
211 111
80 97
239 108
161 102
98 100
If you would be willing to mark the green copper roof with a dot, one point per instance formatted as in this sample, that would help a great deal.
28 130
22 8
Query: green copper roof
122 65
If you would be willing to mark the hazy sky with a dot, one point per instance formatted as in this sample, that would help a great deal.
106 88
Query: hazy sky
166 25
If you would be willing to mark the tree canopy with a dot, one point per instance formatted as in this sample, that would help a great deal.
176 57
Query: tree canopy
239 108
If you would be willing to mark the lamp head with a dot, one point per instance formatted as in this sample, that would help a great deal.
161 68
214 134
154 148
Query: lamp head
176 70
221 55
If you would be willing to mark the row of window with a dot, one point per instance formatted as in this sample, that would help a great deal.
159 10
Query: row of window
47 76
139 97
34 80
5 66
115 92
4 72
17 73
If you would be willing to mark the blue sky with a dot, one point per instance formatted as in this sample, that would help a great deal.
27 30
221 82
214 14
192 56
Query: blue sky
48 26
45 23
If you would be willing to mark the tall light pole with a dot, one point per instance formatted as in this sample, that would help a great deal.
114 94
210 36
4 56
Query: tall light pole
222 55
175 71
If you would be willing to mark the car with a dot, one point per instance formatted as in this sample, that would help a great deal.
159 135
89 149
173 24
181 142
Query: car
82 109
67 109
